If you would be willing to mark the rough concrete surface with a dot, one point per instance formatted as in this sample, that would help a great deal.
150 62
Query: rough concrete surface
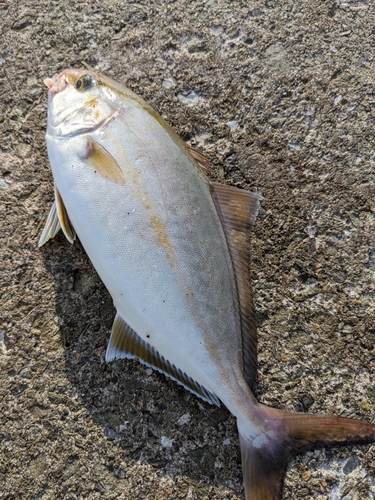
280 96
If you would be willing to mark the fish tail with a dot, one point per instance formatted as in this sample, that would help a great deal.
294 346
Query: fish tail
284 434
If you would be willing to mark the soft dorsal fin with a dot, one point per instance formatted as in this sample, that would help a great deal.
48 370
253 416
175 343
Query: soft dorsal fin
125 343
102 162
57 219
238 210
202 161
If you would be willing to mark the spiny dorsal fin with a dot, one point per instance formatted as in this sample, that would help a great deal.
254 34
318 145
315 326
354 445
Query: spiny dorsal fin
125 343
238 210
102 162
202 161
57 219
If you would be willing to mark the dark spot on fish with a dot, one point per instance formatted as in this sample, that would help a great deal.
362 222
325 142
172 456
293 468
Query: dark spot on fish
148 336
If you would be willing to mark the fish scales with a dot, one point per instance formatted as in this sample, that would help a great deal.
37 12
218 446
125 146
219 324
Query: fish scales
172 249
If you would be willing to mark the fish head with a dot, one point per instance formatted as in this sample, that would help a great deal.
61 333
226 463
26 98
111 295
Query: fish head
79 101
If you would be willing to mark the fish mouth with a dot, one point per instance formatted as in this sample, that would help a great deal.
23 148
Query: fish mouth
56 84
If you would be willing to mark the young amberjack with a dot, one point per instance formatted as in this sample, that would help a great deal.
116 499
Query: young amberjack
173 250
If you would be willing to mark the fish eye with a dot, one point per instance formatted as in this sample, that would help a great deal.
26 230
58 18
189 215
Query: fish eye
83 82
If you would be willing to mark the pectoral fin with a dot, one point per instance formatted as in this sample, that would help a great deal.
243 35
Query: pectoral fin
125 343
102 162
57 219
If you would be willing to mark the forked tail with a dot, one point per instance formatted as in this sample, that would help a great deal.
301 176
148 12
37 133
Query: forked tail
265 457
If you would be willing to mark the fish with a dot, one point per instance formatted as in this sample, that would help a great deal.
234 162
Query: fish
173 249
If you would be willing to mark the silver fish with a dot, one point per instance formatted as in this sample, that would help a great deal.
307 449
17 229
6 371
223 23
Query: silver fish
173 250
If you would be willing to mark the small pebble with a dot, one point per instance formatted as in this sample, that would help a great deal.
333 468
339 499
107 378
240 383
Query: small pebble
166 442
184 419
168 83
337 99
351 464
306 475
189 100
232 124
216 30
365 405
3 185
22 150
294 147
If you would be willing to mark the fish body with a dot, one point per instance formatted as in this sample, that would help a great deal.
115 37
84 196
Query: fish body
172 249
153 238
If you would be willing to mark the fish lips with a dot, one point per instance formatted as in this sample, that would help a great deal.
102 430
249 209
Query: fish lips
56 84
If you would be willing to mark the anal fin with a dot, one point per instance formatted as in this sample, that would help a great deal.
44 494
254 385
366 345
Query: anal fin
125 343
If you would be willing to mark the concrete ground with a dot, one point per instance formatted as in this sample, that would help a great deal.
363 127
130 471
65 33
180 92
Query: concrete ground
280 96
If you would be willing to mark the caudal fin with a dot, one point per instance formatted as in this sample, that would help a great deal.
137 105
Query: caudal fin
265 457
